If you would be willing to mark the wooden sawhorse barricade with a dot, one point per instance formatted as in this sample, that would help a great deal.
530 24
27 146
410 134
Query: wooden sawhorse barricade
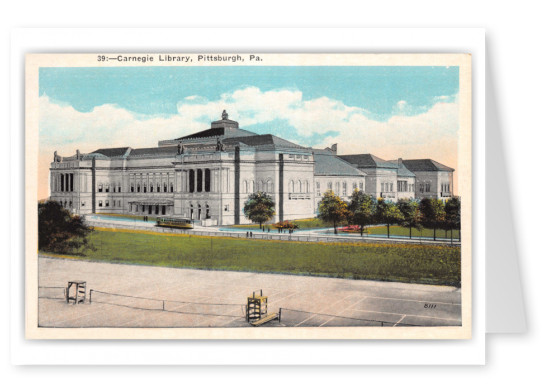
79 292
257 310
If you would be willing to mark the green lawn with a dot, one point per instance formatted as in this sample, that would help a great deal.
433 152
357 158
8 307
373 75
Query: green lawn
388 262
380 230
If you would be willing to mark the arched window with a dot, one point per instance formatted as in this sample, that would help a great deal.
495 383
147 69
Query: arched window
191 183
291 186
107 188
199 180
137 187
158 187
307 187
330 186
119 187
191 210
269 185
207 180
299 186
245 187
171 187
145 187
165 187
100 187
207 211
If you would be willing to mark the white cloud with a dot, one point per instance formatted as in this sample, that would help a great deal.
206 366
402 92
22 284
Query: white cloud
109 125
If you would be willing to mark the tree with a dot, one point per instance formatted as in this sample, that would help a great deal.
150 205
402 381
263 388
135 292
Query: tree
332 209
387 213
259 207
452 211
432 213
362 209
59 231
411 217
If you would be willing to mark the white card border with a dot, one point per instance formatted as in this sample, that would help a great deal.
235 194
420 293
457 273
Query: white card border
246 352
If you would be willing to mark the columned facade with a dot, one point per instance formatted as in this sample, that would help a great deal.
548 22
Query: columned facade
209 175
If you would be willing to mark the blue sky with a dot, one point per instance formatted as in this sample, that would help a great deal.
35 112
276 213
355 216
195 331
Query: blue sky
157 90
409 112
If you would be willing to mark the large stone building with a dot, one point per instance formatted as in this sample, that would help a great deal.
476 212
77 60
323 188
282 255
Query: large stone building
208 176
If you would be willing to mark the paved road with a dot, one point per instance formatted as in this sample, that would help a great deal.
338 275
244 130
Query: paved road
199 298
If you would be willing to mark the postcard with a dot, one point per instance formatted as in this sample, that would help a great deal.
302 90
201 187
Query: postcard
248 196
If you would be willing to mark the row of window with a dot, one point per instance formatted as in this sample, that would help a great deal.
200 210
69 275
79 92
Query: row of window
266 186
445 187
159 188
196 183
64 182
424 188
299 157
299 186
404 186
106 187
337 189
149 209
115 203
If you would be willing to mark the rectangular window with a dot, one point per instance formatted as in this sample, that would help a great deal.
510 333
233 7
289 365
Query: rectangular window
100 204
361 186
107 188
106 203
344 189
392 187
100 188
427 187
131 188
318 189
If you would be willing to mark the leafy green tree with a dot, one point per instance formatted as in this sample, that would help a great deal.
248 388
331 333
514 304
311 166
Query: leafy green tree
452 211
362 209
387 213
332 209
59 231
432 213
259 207
411 217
